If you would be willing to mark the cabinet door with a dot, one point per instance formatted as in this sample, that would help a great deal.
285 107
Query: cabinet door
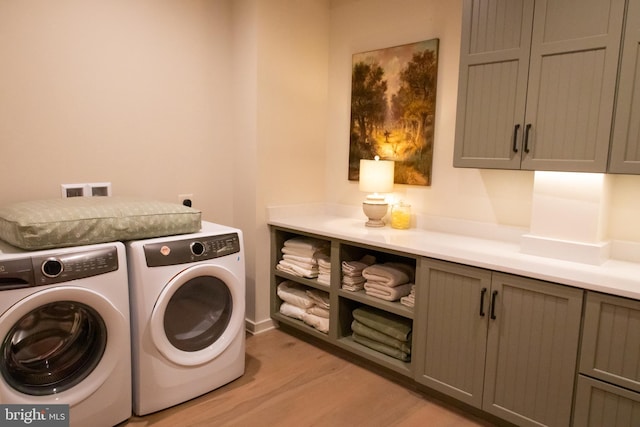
452 325
601 404
611 340
494 62
532 348
572 79
625 145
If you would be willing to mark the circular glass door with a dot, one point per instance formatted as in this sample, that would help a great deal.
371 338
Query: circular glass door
53 347
198 313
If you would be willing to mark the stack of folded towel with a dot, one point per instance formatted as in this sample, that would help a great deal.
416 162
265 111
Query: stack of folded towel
324 268
383 332
352 279
389 281
309 305
300 256
409 300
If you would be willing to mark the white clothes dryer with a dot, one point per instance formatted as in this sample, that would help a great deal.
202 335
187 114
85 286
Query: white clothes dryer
187 315
64 331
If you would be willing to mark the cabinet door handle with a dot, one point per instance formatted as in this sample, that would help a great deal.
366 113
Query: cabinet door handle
526 137
482 294
515 138
494 294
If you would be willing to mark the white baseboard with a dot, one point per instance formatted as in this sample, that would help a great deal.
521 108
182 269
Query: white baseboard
259 327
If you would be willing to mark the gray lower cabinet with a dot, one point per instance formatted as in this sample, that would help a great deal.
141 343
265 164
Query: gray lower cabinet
601 404
505 344
609 381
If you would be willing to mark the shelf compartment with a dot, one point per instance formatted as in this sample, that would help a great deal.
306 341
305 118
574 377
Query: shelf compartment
404 368
300 325
313 283
391 306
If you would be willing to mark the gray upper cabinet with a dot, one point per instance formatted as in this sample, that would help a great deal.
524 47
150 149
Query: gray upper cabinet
625 143
537 84
502 343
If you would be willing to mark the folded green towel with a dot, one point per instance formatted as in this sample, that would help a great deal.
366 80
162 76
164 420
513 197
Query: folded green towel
385 349
365 331
387 323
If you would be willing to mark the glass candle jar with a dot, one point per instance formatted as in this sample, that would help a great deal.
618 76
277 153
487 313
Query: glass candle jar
401 216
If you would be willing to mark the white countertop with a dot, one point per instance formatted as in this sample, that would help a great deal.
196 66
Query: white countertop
615 277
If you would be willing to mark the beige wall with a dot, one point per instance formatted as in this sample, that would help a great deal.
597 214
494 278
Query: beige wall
280 69
135 93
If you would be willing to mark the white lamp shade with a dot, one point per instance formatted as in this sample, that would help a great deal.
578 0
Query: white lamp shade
376 176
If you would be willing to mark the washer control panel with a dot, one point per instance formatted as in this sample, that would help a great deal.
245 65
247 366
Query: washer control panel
191 250
56 268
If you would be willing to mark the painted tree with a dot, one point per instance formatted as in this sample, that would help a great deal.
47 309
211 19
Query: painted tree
415 102
368 101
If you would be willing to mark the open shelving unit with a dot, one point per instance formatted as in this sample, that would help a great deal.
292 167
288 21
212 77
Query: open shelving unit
342 302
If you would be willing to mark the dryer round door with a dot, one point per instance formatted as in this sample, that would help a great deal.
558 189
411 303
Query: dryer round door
59 345
198 314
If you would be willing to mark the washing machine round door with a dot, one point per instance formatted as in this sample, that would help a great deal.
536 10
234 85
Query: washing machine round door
55 340
198 314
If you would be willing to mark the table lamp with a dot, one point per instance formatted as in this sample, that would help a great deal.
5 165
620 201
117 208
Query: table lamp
376 176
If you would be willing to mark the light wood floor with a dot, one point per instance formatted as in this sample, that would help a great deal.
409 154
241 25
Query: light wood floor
289 382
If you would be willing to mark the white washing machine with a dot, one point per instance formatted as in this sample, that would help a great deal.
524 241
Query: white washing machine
64 331
187 315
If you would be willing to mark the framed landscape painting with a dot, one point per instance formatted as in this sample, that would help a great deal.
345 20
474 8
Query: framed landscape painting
393 108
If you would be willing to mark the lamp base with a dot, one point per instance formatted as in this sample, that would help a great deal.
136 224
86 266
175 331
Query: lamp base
375 211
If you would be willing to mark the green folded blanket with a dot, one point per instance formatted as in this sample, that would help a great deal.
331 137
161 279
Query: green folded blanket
387 323
367 332
385 349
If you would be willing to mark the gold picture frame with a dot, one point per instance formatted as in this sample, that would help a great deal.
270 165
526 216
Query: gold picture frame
393 108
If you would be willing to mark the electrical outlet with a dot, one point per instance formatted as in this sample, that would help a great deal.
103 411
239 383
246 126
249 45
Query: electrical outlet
99 189
94 189
72 190
186 199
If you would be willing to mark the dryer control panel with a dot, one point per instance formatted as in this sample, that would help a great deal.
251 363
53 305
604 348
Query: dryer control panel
191 250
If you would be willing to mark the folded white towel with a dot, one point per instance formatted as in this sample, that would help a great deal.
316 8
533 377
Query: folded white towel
318 311
291 310
304 242
348 280
296 270
301 252
408 301
298 258
320 298
353 267
389 274
300 262
387 293
353 287
320 323
294 294
323 260
324 278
